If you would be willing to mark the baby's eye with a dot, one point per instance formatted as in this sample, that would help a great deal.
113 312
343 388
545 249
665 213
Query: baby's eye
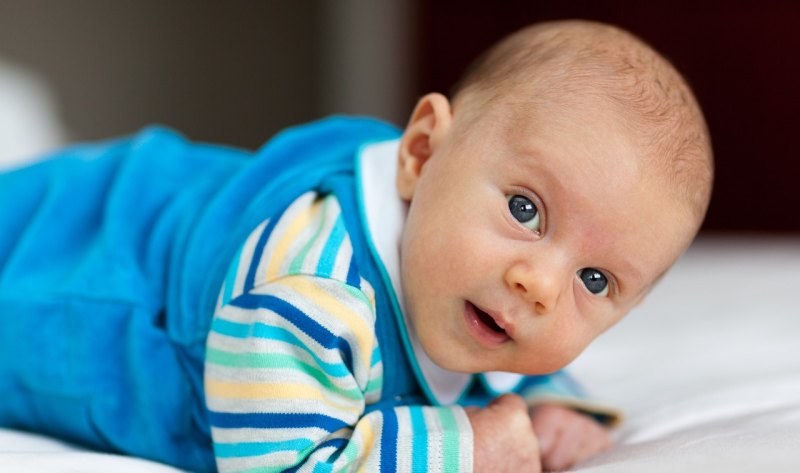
594 280
524 211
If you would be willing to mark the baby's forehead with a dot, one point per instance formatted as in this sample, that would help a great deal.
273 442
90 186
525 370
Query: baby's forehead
575 72
673 146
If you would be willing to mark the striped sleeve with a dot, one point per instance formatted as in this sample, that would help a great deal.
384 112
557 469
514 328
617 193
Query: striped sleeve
293 363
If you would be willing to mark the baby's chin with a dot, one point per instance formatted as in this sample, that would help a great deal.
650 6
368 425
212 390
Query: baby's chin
474 364
459 363
445 359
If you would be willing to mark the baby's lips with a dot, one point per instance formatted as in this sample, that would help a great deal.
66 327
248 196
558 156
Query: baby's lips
501 321
483 327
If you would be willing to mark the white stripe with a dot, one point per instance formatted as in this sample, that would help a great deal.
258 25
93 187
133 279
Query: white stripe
222 435
326 220
301 205
341 265
405 447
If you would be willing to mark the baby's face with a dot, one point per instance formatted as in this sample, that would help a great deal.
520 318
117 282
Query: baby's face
527 237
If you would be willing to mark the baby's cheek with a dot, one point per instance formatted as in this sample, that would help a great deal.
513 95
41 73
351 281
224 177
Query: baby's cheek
566 344
475 254
454 253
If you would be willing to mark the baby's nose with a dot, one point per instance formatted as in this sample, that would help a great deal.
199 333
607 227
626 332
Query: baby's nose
538 284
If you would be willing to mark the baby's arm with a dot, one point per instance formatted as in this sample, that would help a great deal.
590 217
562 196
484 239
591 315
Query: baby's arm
291 367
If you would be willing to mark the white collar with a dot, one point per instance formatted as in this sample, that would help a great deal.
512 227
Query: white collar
385 214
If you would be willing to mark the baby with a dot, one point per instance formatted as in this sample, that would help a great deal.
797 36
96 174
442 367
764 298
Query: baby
291 310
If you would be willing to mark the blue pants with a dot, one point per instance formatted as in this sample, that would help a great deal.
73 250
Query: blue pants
89 244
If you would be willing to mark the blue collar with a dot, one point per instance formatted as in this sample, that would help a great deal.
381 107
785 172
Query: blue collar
384 214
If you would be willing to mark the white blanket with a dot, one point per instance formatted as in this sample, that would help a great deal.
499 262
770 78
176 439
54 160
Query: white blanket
707 369
28 453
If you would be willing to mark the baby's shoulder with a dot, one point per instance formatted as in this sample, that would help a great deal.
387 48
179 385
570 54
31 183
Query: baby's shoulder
309 238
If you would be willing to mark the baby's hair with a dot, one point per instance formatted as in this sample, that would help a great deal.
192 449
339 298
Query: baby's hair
565 61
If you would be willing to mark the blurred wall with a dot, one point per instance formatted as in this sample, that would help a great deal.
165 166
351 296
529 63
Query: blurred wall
232 72
237 71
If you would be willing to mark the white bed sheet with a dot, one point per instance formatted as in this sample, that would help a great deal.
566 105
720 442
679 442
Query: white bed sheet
707 370
21 452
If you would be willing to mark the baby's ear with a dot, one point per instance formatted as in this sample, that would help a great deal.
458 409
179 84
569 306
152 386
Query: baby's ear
428 125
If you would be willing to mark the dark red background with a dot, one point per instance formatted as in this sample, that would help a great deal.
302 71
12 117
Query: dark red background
742 59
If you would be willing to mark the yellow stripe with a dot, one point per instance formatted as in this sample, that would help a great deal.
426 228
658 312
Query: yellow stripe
363 333
370 295
267 391
280 254
368 434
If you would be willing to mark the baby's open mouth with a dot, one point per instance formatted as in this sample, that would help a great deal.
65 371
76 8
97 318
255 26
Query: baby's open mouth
488 320
484 327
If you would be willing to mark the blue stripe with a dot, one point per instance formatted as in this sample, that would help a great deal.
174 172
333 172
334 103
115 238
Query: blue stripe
328 257
299 319
338 444
323 468
249 281
389 441
419 448
353 278
230 329
327 467
376 356
234 420
293 469
230 278
252 449
237 330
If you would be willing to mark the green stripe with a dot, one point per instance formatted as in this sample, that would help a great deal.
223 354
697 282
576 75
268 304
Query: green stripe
280 334
374 384
450 445
278 361
350 451
263 469
359 294
301 455
297 262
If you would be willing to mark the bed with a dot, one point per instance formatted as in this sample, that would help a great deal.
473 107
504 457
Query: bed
707 371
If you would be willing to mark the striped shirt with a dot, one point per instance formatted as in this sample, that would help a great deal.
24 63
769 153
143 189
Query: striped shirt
293 361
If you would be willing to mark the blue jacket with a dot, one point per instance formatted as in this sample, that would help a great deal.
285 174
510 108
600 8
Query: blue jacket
111 259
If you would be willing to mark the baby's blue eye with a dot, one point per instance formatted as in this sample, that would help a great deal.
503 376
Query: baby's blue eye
595 281
524 211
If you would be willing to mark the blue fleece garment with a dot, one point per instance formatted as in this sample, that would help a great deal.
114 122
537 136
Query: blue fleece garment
111 259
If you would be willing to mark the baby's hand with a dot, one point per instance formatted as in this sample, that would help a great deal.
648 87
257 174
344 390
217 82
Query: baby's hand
566 436
504 438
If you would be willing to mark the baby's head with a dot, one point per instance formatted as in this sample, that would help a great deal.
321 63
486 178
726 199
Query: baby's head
570 169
